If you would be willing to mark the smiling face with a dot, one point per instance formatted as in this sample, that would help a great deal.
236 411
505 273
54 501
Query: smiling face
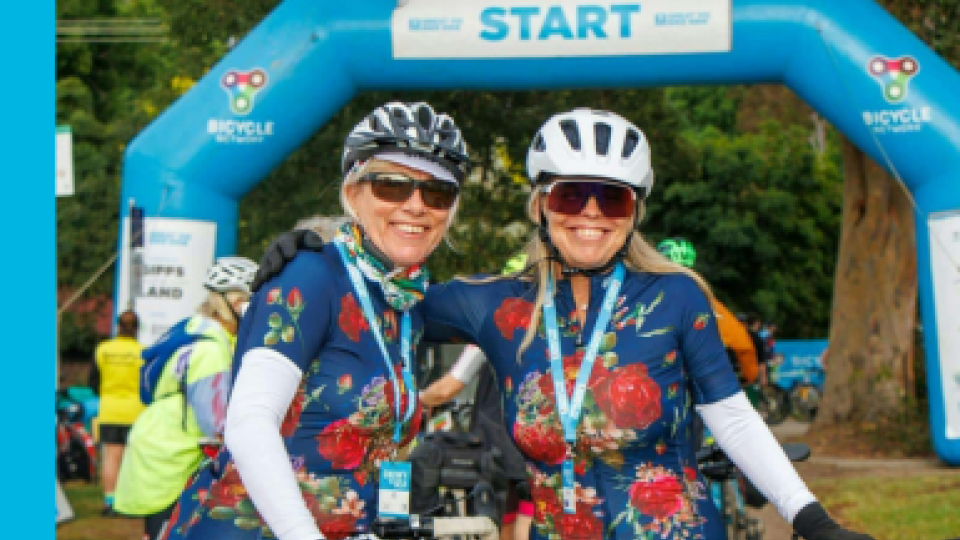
406 232
588 239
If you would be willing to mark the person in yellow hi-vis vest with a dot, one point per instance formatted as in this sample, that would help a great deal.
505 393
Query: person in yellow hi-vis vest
114 377
187 401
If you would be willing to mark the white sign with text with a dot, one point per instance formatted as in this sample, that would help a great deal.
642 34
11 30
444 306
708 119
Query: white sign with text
176 256
944 259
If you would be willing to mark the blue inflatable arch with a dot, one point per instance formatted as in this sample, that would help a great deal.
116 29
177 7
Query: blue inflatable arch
850 60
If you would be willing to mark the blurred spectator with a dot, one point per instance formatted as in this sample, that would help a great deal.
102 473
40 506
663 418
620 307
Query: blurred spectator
754 326
187 413
115 378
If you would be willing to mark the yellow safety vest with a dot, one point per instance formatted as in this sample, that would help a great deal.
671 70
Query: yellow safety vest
163 449
118 361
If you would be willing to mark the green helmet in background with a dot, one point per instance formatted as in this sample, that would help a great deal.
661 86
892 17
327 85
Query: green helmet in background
679 251
516 264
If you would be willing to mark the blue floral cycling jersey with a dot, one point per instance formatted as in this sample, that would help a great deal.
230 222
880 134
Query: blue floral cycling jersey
340 424
634 458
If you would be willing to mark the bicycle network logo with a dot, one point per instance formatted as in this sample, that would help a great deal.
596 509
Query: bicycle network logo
242 88
894 74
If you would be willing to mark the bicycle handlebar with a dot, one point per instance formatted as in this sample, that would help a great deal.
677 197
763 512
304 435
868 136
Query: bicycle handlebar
435 527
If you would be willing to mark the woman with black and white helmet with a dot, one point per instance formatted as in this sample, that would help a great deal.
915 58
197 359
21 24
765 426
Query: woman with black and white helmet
324 392
606 350
187 399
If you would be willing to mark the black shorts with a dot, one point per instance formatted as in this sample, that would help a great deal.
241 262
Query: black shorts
114 433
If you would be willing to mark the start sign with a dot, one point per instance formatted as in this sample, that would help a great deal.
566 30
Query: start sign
558 28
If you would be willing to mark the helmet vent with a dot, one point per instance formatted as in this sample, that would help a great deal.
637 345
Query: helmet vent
630 144
539 144
375 124
425 118
572 133
602 137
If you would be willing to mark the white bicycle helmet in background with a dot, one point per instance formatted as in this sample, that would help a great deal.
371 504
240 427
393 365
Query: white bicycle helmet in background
414 129
230 274
591 143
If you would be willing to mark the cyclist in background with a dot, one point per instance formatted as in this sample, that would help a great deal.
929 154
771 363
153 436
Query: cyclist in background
189 404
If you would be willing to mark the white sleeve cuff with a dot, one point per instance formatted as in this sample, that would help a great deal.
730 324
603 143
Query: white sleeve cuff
747 440
466 367
266 385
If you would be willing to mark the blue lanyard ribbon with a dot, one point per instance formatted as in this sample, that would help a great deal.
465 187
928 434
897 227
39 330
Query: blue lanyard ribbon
361 289
569 408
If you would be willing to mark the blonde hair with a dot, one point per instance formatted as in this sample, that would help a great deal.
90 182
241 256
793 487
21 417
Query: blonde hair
216 306
641 257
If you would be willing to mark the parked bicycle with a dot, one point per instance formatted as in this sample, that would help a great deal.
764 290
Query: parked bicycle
796 389
76 451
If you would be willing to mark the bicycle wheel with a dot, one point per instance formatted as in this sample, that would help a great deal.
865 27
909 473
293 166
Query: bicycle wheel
773 405
804 402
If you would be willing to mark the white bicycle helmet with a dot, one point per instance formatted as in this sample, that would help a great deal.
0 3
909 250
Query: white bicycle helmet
592 143
413 129
231 274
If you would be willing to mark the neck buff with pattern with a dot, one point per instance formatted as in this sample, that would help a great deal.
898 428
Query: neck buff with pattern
402 287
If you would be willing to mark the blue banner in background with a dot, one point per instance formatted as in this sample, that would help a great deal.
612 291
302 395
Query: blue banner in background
801 352
801 362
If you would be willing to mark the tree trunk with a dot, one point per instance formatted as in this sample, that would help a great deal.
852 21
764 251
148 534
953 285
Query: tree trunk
869 363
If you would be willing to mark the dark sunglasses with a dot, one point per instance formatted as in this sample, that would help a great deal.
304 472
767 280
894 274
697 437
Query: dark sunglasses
571 196
397 188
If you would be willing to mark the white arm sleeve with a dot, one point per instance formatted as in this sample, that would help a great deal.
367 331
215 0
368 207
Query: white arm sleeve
747 440
466 367
266 385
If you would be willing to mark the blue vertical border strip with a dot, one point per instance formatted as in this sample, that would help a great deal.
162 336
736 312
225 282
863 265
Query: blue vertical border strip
28 317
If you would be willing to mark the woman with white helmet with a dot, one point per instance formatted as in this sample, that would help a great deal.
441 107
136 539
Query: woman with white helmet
187 400
324 392
605 350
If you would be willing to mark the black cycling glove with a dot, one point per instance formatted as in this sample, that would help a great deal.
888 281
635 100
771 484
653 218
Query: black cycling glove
281 251
813 523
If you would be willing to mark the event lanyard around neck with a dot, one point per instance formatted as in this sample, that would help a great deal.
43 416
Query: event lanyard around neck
569 407
361 289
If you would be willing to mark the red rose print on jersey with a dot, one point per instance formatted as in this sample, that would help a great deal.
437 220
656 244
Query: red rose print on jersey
660 496
343 444
351 319
629 397
541 441
292 417
513 314
580 526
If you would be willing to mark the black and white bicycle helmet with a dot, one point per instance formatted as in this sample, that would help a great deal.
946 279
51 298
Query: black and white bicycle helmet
414 129
230 274
591 143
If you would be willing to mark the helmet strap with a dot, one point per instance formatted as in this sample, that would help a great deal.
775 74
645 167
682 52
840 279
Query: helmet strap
236 316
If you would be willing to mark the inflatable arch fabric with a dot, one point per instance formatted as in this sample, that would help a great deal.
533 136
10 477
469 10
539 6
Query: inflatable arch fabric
850 60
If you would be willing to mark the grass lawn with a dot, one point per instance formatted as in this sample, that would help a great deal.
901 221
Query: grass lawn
88 524
918 507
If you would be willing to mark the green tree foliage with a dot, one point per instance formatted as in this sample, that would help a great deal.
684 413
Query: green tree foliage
761 205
